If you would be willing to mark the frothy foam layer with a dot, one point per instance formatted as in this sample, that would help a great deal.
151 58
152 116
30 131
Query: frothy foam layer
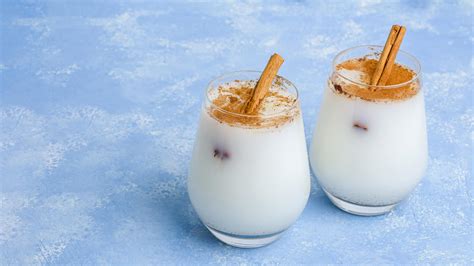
278 107
352 79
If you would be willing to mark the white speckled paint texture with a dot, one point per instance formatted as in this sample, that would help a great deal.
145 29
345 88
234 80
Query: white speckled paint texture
100 103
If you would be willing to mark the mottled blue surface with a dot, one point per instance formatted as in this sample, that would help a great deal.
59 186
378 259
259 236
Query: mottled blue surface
99 108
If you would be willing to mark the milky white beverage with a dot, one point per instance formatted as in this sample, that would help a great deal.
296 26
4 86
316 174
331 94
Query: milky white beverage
249 178
369 147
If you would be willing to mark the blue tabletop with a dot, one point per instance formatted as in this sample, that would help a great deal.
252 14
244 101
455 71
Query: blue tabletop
99 109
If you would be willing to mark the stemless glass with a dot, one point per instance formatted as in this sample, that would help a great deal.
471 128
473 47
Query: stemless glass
368 155
249 183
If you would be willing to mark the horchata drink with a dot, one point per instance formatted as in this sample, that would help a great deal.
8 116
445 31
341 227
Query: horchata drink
249 178
369 148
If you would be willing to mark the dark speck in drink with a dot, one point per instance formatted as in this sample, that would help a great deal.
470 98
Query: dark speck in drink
359 125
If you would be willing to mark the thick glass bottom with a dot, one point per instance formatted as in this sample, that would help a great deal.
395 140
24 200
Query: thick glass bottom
244 241
357 209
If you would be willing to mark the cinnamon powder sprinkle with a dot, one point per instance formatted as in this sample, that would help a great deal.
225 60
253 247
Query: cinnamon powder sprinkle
278 107
399 74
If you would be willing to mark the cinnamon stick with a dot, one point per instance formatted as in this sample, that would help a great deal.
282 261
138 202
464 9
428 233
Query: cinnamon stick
263 85
383 57
387 58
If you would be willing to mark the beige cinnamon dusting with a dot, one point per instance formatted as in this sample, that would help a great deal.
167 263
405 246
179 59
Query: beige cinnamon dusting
277 108
367 67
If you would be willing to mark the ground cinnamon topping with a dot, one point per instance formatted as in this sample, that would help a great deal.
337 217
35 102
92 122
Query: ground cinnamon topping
276 109
365 68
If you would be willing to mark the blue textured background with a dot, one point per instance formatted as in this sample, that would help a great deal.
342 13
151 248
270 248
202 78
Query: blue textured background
100 103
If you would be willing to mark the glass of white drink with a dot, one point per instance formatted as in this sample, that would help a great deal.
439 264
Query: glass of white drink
249 178
369 148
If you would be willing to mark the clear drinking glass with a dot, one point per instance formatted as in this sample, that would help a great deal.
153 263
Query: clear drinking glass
249 180
369 154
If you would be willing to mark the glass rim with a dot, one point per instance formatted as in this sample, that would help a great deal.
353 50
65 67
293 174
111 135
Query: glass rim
412 57
228 74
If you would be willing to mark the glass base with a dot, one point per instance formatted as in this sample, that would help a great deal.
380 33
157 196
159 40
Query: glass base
356 209
244 241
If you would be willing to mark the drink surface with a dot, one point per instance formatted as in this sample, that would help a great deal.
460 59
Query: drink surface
278 107
352 78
